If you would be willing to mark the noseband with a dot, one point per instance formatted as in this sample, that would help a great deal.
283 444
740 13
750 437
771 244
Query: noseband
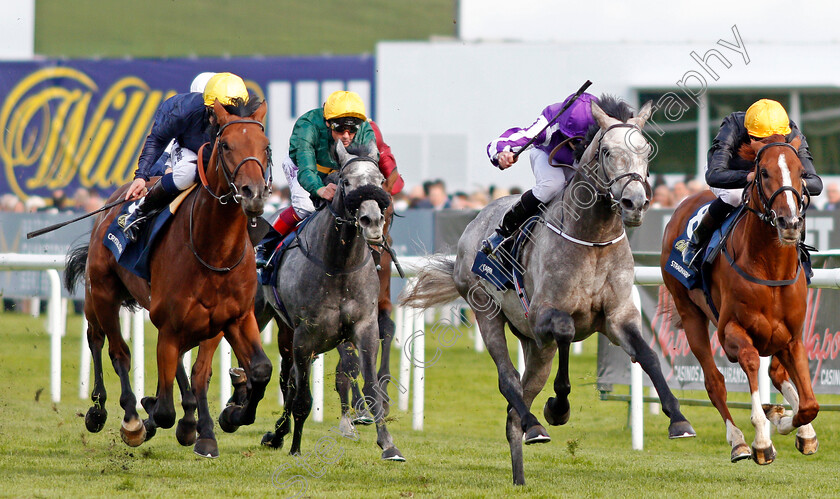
232 191
767 213
603 186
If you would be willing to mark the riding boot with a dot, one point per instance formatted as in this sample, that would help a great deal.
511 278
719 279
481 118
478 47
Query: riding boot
156 199
805 253
282 227
711 221
527 206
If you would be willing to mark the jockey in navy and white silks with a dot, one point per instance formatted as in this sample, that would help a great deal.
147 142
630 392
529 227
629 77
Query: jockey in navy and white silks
727 172
184 118
550 181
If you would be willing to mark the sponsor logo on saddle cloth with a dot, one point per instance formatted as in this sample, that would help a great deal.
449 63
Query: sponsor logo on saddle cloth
135 256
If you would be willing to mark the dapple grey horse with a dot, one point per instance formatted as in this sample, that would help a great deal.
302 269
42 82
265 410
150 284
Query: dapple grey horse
328 284
578 273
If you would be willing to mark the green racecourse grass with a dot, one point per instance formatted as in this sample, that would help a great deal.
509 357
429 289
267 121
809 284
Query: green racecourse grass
45 450
167 28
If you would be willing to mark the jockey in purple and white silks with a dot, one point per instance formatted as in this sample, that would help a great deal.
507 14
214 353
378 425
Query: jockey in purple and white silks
550 181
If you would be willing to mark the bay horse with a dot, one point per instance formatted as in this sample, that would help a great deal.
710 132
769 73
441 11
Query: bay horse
760 291
578 273
201 285
327 283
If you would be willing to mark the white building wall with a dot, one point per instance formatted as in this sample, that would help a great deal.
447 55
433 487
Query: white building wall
440 103
17 29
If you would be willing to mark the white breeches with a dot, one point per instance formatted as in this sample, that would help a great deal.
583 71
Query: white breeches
301 201
549 180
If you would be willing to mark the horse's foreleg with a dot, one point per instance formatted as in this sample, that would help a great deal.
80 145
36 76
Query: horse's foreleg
162 408
301 402
282 425
738 345
805 409
97 414
244 339
537 370
629 330
343 384
205 444
366 339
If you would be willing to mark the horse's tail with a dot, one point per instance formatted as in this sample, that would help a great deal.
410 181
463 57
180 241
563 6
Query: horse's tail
434 285
75 266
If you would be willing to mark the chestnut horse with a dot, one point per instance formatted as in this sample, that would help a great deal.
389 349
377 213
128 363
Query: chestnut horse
760 291
201 284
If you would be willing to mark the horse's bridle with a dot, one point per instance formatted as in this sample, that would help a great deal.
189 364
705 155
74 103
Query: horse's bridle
233 192
603 186
767 213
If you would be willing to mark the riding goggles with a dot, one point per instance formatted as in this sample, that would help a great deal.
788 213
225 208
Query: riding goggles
342 125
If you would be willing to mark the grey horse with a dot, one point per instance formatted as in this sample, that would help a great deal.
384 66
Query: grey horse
578 273
328 284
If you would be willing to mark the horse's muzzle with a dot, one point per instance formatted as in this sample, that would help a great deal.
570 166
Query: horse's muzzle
790 229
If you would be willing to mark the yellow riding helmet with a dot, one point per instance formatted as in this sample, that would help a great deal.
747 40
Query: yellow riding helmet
765 118
226 87
344 104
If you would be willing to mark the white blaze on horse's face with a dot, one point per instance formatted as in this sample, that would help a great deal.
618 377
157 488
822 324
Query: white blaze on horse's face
781 172
623 159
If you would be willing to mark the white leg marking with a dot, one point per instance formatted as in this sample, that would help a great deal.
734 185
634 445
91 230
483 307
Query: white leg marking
761 424
734 435
792 397
786 181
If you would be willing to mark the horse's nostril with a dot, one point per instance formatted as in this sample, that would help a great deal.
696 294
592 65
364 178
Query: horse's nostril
247 193
627 204
364 220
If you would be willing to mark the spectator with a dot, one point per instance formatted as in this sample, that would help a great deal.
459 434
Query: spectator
694 186
437 195
417 197
460 201
832 191
499 192
516 191
11 203
93 202
479 199
662 197
680 192
34 203
401 201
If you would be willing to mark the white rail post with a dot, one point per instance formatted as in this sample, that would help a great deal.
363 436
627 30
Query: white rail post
577 348
418 354
224 371
56 324
764 379
405 362
520 358
318 389
187 360
479 340
138 333
268 332
125 324
84 363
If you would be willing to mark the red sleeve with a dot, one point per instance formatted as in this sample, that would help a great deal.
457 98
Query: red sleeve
387 163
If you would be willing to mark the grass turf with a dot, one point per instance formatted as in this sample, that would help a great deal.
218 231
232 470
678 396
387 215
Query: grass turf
45 450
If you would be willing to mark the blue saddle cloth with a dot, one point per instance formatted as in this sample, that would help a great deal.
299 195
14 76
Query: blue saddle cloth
277 254
136 256
503 269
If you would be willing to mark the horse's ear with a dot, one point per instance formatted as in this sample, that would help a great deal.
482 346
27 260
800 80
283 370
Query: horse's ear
796 142
220 111
749 151
259 115
372 151
603 119
341 153
644 114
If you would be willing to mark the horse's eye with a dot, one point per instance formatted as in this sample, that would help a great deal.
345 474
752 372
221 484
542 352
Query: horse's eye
605 152
224 146
764 173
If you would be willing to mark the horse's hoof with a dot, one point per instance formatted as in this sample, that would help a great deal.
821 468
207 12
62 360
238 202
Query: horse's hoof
681 429
268 441
740 452
393 454
224 419
536 435
206 447
807 446
347 429
151 429
364 419
95 419
551 417
185 432
133 433
764 456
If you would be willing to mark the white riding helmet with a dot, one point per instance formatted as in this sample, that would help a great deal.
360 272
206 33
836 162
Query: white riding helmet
200 81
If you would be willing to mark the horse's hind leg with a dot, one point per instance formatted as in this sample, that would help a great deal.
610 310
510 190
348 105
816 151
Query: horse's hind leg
345 372
738 345
282 425
493 332
366 338
386 336
806 437
97 414
537 369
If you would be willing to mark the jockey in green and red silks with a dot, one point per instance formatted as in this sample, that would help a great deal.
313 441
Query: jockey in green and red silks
550 181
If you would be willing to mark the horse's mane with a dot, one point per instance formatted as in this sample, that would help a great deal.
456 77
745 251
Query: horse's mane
614 107
747 153
240 108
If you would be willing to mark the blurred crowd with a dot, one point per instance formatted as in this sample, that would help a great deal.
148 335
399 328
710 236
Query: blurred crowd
431 194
